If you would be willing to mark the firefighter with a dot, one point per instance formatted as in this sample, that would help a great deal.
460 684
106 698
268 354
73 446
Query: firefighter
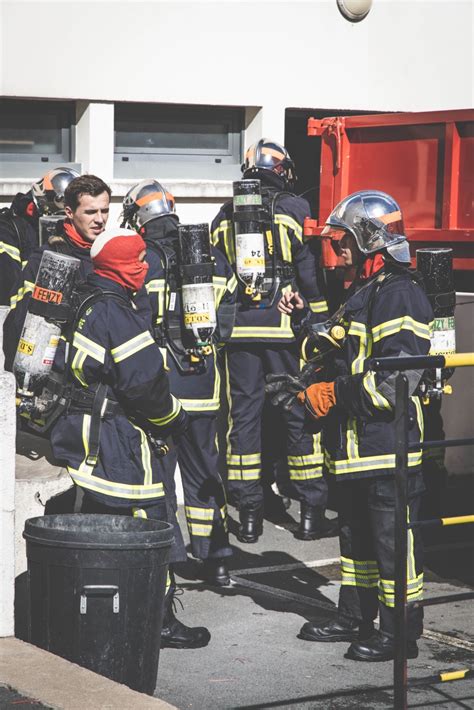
119 401
386 313
86 206
194 376
19 224
262 342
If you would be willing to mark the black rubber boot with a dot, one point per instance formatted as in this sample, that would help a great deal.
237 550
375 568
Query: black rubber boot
314 524
340 629
379 647
215 572
175 634
251 524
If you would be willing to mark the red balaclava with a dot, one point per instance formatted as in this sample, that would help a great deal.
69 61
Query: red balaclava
115 255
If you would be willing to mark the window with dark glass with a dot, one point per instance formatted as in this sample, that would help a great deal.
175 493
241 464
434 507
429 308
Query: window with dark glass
33 132
178 141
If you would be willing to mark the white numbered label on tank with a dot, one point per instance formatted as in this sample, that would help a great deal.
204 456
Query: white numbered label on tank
443 337
250 254
199 305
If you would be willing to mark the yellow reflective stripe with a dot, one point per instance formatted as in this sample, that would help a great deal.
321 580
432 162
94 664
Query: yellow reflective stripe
287 221
318 306
132 346
365 346
155 285
13 252
146 456
199 513
27 287
115 490
419 416
360 566
161 421
391 327
369 462
386 592
199 530
199 405
243 459
258 332
232 284
378 400
247 474
91 348
304 474
352 439
76 366
309 460
205 405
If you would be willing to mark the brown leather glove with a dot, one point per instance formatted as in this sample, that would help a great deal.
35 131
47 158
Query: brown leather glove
318 398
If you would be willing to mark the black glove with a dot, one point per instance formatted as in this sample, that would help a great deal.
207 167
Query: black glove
282 389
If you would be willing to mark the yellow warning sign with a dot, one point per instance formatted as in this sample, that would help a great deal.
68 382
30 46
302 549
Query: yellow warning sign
25 347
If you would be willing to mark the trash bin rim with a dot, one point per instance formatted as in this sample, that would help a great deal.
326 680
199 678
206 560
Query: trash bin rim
36 533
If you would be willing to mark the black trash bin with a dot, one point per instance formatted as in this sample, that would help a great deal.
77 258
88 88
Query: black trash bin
96 592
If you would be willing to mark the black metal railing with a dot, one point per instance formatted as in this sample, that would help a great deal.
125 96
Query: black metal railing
402 526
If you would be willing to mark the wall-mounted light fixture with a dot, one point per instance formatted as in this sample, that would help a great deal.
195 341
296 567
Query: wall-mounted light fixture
354 10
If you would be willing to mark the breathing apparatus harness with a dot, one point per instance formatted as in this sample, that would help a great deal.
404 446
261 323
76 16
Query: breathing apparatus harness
260 267
187 342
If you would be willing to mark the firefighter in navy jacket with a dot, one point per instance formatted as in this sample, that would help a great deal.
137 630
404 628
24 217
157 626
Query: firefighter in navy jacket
262 342
86 200
120 403
194 380
19 225
386 314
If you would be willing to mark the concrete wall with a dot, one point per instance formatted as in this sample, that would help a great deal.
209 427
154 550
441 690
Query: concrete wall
406 55
265 56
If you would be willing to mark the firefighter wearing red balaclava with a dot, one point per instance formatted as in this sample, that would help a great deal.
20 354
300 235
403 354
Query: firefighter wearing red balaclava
120 405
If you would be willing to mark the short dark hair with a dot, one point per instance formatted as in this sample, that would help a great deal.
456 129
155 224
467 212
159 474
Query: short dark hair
84 185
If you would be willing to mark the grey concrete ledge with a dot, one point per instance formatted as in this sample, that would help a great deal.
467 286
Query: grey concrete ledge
63 685
179 188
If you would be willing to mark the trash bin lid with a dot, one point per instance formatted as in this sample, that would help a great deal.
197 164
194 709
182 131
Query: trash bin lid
92 531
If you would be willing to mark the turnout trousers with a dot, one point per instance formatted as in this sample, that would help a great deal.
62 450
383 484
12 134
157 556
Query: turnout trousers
367 538
247 365
204 494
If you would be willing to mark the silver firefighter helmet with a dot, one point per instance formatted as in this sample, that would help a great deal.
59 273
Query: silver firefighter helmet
266 154
375 220
48 191
146 201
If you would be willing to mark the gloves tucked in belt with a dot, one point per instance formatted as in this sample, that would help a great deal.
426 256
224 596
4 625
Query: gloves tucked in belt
318 398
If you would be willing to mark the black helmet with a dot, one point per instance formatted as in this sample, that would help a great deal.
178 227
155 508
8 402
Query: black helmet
270 156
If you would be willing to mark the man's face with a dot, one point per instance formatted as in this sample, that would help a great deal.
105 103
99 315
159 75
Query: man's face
348 250
90 216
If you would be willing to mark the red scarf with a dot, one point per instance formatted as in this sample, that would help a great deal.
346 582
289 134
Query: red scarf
371 265
75 237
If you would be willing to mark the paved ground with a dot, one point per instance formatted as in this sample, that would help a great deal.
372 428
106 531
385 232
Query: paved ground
255 661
